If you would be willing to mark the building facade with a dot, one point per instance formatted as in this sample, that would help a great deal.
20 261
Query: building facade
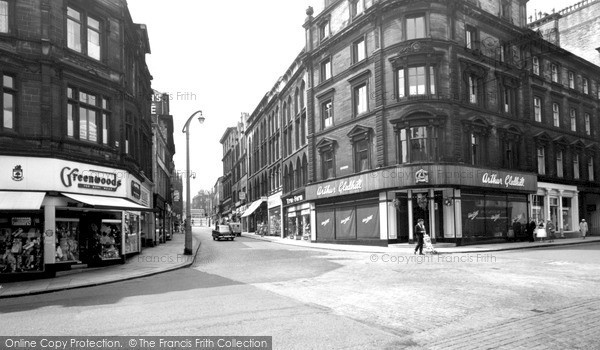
75 134
163 167
454 112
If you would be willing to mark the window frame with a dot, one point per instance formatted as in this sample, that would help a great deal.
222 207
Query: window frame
576 170
556 114
403 80
471 37
541 160
324 124
536 65
573 119
414 16
85 28
404 142
101 108
585 85
591 169
356 50
554 73
559 164
537 109
326 70
571 79
357 8
12 91
10 17
357 99
588 123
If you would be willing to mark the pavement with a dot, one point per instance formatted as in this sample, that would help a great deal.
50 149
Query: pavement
169 256
151 261
441 248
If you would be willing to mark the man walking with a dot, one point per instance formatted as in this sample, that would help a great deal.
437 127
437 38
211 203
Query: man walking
420 232
583 228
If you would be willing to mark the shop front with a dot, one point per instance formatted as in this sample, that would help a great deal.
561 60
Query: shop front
57 213
297 214
274 213
558 204
256 217
458 204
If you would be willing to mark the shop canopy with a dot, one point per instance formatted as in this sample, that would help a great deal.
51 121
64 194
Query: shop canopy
253 207
21 200
106 202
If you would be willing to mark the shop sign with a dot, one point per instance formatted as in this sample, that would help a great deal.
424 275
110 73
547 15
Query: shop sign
21 221
90 179
294 199
508 181
17 173
145 197
136 190
305 212
343 187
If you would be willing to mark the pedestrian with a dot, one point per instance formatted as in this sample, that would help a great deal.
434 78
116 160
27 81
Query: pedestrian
583 228
420 232
550 228
530 230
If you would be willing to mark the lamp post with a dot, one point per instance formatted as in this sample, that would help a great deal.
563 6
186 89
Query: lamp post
188 207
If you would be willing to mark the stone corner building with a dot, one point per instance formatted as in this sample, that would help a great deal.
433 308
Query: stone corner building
451 111
75 134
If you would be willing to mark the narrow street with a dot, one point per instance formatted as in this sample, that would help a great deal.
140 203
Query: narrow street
320 299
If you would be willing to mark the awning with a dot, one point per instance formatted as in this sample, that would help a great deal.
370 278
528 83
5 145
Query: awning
106 202
21 200
253 207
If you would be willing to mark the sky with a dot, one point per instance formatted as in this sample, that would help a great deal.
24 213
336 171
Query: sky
222 57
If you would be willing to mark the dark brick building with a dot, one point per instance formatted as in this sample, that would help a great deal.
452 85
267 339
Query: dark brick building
75 133
453 112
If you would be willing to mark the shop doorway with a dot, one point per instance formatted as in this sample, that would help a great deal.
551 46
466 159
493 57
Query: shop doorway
401 204
420 204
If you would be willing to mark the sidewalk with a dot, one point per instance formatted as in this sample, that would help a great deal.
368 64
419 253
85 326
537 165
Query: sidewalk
442 248
153 260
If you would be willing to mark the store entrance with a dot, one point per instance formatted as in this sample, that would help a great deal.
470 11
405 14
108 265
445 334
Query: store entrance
420 206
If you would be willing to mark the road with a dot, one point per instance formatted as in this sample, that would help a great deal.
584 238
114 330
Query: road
321 299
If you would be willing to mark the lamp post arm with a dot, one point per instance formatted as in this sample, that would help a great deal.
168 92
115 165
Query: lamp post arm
187 123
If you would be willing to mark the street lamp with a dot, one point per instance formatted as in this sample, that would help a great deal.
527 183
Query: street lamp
188 208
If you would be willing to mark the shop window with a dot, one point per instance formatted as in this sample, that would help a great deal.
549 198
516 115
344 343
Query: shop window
367 222
325 224
473 215
576 166
417 144
573 119
21 244
84 33
541 160
567 214
537 209
496 217
67 240
537 109
359 50
416 81
536 65
345 223
556 115
559 163
88 117
7 103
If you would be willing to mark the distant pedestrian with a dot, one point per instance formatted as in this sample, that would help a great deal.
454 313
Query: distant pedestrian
530 230
420 232
583 228
550 228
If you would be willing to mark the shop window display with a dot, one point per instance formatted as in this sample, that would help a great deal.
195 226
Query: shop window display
494 216
107 239
131 228
67 240
21 245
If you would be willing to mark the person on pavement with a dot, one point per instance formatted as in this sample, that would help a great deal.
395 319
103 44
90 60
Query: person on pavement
530 230
583 228
420 232
550 228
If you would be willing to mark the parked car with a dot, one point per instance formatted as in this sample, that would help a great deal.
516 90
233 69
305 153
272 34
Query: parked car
222 232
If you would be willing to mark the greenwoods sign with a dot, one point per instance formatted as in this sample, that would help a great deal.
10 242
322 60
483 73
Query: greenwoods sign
425 176
90 179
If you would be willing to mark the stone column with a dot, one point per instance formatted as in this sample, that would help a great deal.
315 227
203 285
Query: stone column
410 218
